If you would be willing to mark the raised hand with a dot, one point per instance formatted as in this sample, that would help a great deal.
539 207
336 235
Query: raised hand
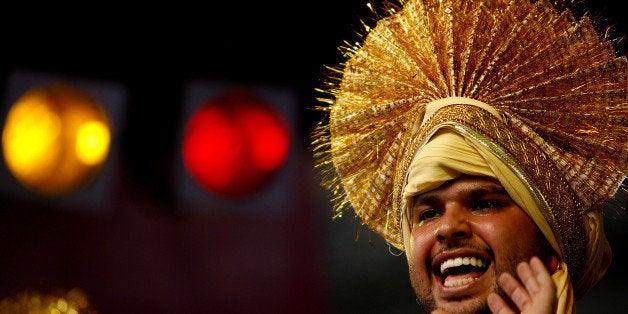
534 294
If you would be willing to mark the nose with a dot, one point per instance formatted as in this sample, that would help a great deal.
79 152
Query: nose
454 225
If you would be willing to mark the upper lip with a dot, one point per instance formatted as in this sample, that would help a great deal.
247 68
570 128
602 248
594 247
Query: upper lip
460 252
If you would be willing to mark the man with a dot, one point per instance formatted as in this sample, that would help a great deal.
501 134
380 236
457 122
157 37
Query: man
461 235
481 138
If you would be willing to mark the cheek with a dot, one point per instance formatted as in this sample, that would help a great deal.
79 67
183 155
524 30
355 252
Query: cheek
508 234
419 246
519 228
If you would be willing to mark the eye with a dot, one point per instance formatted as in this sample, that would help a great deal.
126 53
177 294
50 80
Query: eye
426 214
486 205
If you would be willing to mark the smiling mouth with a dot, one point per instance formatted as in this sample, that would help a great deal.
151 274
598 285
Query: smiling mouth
460 271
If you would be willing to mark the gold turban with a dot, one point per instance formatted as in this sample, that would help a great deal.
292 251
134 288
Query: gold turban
532 88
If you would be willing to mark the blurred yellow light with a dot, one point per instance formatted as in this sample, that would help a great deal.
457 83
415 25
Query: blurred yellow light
62 305
92 142
29 137
55 138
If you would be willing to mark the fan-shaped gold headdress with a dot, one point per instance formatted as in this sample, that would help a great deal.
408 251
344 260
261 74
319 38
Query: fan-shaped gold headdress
559 88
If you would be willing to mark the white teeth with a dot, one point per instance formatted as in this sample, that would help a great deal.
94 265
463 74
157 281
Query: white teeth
458 282
458 261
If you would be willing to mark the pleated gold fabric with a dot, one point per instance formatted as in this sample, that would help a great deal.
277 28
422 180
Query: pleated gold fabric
558 88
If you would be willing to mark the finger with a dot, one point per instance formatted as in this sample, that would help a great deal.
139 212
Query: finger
528 277
498 305
515 290
543 277
547 287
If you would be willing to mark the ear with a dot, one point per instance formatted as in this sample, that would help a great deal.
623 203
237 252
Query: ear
553 263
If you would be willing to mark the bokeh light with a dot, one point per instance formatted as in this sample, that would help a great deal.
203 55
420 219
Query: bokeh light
233 144
55 138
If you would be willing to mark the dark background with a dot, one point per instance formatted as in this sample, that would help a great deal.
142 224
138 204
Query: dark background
146 252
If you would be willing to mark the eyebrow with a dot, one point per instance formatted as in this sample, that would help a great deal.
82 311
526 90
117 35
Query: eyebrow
431 197
488 189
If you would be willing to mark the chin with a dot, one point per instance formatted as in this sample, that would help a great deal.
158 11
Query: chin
468 306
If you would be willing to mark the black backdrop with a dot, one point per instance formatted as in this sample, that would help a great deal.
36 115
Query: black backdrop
153 49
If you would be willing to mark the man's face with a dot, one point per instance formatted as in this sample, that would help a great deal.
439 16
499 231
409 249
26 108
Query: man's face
460 237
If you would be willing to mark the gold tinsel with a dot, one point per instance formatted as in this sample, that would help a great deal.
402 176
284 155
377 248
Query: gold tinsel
558 85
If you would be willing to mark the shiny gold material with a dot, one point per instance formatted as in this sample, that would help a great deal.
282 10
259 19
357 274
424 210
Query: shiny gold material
558 86
59 301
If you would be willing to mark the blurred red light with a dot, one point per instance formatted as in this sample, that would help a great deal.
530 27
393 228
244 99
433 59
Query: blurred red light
234 144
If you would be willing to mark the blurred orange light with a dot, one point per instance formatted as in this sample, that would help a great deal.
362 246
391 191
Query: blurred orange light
234 144
55 138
